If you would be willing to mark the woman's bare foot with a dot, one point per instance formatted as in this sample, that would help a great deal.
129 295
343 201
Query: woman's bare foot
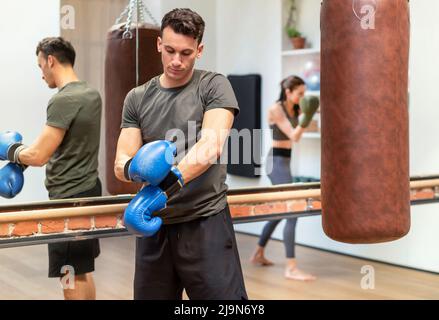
297 274
258 258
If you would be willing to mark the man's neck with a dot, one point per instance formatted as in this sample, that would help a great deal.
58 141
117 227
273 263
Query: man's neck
65 77
166 82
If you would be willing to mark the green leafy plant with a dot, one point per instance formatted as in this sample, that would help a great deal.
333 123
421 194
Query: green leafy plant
293 32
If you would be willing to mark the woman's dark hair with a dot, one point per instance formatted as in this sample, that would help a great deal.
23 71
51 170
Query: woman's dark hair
61 49
184 21
291 83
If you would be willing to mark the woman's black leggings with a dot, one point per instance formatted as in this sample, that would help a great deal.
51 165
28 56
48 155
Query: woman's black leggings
280 174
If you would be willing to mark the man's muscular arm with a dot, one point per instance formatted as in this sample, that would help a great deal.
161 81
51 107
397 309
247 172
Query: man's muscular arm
39 153
130 141
215 131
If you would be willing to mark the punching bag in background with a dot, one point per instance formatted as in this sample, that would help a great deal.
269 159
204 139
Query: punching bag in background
365 144
120 77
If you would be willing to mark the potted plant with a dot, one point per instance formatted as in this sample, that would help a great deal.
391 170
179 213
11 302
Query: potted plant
297 40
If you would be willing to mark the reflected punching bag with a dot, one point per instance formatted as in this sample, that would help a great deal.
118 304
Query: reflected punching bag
121 73
365 143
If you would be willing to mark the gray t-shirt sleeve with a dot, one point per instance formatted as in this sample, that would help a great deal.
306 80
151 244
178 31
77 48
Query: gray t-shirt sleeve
61 112
130 118
219 94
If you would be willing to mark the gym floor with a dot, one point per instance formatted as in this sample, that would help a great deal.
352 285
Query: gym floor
23 275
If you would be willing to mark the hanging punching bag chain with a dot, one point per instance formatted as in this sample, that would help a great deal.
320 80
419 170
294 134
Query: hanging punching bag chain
141 9
144 9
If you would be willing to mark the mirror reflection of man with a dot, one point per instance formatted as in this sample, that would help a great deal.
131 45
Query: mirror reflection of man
68 145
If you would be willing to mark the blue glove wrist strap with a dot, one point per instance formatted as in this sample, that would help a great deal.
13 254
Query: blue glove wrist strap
171 184
126 169
12 157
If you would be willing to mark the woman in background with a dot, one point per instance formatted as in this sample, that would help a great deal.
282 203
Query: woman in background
283 118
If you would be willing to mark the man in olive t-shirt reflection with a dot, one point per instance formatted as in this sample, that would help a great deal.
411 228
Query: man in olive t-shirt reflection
69 147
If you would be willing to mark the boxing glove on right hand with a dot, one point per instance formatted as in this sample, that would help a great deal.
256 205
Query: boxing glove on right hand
151 163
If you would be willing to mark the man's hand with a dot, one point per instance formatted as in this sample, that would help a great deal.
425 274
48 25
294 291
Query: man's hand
138 215
151 163
9 142
11 180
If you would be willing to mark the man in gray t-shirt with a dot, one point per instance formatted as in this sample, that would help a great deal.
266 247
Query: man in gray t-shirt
161 113
195 249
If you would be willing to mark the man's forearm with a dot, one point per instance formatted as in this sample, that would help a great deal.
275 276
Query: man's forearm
119 167
32 157
200 158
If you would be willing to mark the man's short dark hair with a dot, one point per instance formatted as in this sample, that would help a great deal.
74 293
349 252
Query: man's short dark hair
61 49
184 21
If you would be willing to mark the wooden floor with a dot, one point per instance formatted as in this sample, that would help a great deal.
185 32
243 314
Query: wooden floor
23 275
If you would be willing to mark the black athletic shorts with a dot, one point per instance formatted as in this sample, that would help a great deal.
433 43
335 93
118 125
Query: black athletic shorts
199 256
78 254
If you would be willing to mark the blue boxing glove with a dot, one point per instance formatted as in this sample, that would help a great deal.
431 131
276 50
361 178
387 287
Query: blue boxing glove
138 215
11 180
151 163
10 145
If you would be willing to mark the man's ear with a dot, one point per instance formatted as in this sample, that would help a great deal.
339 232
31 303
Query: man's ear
200 50
159 44
50 61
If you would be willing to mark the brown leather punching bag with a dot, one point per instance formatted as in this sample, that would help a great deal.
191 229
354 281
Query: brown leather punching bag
364 113
120 77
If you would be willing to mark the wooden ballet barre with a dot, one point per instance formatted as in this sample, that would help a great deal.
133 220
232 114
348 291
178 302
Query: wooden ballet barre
114 209
235 199
46 214
421 184
274 196
101 217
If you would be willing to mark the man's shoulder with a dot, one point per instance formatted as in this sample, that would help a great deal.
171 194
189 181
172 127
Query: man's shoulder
210 79
75 94
139 91
60 98
208 75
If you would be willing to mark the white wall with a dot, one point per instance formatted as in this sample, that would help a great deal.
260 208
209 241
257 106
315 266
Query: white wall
24 95
424 96
249 41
